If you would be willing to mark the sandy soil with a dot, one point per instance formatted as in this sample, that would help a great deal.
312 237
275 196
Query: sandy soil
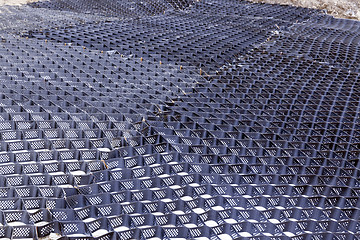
15 2
337 8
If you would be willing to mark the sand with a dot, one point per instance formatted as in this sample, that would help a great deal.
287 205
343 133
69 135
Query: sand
337 8
15 2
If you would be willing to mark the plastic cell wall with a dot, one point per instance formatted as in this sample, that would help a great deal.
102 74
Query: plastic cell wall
211 119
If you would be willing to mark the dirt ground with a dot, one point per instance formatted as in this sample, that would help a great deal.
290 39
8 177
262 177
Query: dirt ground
15 2
337 8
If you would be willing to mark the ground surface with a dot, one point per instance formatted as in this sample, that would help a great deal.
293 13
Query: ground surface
15 2
337 8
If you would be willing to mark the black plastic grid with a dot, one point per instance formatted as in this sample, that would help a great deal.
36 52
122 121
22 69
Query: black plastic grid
207 35
20 20
118 8
325 41
126 140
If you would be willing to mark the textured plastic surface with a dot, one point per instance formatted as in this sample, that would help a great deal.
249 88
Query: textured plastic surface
217 119
117 8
